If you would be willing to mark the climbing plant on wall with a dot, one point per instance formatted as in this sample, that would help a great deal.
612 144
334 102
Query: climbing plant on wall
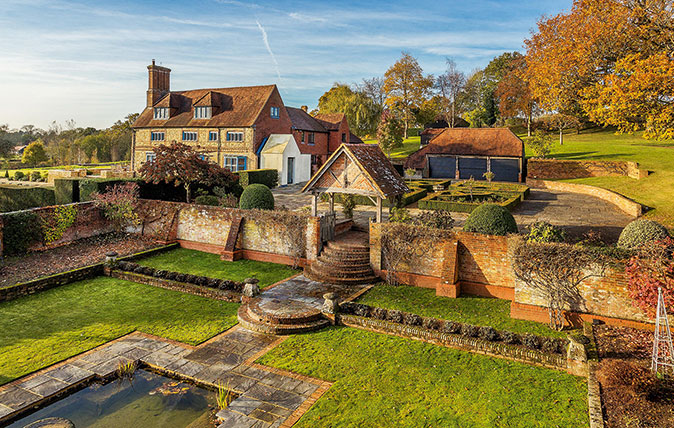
58 222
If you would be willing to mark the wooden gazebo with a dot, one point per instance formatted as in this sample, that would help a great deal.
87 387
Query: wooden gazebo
357 169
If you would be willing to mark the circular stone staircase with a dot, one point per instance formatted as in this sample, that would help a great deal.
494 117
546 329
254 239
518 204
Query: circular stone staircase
275 316
345 261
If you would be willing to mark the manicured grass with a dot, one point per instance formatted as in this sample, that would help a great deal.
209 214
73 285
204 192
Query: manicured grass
207 264
410 145
386 381
47 168
42 329
472 310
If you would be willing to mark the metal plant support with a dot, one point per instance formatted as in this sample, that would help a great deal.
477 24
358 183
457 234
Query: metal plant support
663 351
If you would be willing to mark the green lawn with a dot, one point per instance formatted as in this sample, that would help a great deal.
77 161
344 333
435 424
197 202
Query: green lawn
385 381
207 264
42 329
480 311
654 191
410 145
47 168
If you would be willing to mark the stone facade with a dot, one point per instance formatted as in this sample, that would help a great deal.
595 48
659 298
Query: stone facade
553 169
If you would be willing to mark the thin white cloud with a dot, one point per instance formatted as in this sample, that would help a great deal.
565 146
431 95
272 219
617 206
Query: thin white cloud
265 39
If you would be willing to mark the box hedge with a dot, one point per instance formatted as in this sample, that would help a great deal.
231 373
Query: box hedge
268 177
15 198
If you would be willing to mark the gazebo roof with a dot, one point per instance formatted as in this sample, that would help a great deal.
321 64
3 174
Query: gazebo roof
361 169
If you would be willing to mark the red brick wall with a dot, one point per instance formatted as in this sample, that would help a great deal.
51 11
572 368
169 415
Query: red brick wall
265 125
483 259
336 136
552 169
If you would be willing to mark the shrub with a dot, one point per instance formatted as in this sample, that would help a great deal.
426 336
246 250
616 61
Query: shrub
490 219
35 176
438 219
469 330
450 327
411 319
192 279
379 313
207 200
531 341
629 377
431 323
172 276
181 277
650 269
551 346
119 204
212 283
641 231
159 273
18 175
510 337
394 316
543 231
20 231
361 310
348 204
257 196
268 177
399 215
488 333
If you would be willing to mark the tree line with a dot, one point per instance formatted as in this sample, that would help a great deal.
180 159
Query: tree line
68 143
604 62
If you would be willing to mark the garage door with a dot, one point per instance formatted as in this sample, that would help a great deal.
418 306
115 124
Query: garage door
475 167
505 169
442 167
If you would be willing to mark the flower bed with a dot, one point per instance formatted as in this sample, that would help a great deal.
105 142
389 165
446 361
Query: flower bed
526 347
463 197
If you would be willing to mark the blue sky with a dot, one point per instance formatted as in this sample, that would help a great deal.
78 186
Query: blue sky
86 60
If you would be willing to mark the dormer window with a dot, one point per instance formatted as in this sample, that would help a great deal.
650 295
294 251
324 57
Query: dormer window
202 112
275 112
161 112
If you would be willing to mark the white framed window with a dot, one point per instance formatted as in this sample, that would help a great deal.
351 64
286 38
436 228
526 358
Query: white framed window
157 136
234 136
213 136
150 156
312 138
202 112
189 136
235 163
275 113
161 113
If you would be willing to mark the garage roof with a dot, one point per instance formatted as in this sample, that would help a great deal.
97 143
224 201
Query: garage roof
501 142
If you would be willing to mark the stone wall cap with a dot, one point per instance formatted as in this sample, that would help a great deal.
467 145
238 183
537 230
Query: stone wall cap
251 280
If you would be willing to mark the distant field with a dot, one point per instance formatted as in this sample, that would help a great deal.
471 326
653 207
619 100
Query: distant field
410 146
47 168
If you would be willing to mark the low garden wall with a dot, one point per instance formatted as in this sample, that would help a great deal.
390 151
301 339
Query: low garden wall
46 227
482 265
553 169
626 205
252 234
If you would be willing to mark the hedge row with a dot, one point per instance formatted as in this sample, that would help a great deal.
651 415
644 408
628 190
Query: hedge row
268 177
407 199
203 281
15 198
432 202
545 344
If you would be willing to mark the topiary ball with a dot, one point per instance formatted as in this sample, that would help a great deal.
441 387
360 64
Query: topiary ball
256 196
641 231
490 219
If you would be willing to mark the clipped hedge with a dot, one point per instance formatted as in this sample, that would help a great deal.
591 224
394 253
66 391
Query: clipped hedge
433 202
490 219
20 231
15 198
641 231
256 196
268 177
66 190
407 199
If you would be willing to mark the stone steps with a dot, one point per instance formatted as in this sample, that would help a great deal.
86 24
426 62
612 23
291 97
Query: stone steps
250 323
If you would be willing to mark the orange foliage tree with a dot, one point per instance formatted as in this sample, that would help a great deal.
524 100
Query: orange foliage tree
514 95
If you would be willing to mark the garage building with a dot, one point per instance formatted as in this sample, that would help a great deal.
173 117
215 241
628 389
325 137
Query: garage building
461 153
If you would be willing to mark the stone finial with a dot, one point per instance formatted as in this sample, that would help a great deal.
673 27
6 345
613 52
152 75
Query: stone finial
111 258
330 304
250 287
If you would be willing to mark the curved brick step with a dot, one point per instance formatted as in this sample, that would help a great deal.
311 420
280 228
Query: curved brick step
328 264
351 280
278 329
341 273
348 246
288 312
346 250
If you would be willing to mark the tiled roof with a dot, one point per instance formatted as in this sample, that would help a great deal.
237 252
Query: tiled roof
232 107
354 139
377 165
303 121
331 121
469 141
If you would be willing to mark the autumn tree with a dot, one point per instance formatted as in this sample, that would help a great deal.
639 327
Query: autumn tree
406 87
35 153
119 204
360 111
560 122
373 88
540 143
652 268
449 86
389 132
514 95
180 164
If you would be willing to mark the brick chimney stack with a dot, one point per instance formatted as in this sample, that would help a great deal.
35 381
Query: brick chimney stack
159 83
304 108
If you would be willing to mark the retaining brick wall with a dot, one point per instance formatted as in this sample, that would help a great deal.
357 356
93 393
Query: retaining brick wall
52 281
553 169
626 205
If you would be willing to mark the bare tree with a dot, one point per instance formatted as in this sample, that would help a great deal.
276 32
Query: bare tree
449 85
374 89
556 271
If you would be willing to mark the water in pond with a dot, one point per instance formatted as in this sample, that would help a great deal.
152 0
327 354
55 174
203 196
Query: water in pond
149 400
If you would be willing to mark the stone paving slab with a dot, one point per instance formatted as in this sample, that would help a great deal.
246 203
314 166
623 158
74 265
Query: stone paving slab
267 397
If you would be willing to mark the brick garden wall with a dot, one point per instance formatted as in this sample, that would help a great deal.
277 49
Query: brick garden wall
553 169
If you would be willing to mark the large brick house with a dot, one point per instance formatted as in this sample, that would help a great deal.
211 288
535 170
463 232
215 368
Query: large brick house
320 136
227 124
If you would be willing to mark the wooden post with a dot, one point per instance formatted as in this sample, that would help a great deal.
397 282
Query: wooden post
332 202
379 209
314 204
